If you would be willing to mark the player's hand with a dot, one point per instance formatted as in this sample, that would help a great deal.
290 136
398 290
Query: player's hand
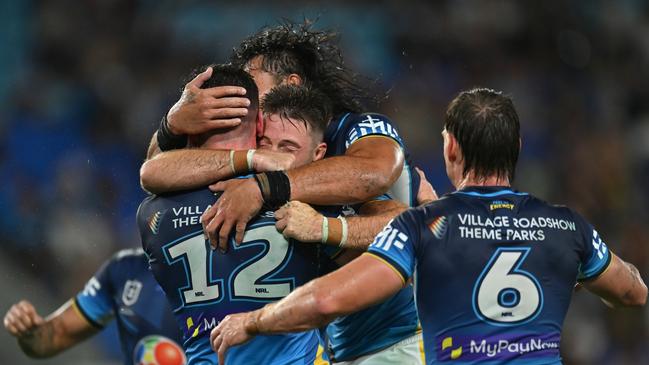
267 160
22 319
200 110
240 202
426 193
299 221
232 330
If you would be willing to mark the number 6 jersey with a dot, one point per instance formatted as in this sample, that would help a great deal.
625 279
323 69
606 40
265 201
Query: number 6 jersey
204 285
494 271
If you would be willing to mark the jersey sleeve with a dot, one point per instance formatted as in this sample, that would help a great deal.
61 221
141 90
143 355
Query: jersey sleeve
94 303
371 124
396 244
595 256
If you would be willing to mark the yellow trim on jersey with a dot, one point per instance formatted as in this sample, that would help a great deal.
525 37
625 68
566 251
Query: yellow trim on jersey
403 280
319 359
78 311
421 350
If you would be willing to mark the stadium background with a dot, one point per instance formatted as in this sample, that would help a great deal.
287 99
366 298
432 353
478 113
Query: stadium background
84 83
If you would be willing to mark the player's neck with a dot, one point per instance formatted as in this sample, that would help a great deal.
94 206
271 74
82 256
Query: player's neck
471 180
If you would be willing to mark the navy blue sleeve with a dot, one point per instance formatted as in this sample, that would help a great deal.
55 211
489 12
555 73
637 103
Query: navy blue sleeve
397 244
371 124
595 256
95 302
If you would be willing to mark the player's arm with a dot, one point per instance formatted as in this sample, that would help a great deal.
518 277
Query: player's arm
184 169
301 222
40 338
620 285
369 167
366 281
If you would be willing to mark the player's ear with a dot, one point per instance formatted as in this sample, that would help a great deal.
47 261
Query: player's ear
259 123
450 147
320 151
294 79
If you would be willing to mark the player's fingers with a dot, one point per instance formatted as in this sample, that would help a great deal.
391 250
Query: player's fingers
224 234
240 229
21 316
223 123
212 230
281 212
200 78
214 337
227 102
225 113
221 91
223 347
219 186
281 225
206 218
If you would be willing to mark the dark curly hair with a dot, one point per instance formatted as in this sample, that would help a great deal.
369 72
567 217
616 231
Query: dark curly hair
313 55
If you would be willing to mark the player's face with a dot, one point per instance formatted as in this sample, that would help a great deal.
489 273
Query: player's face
291 136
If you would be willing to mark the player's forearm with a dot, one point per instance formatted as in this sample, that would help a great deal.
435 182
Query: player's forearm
40 343
185 169
341 180
636 293
363 229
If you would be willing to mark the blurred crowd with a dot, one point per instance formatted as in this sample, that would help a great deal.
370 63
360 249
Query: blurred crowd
84 84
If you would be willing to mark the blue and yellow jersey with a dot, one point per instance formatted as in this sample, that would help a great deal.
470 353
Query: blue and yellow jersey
394 320
349 128
124 289
494 270
203 285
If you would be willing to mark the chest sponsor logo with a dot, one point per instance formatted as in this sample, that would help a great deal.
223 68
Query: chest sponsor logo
504 347
131 292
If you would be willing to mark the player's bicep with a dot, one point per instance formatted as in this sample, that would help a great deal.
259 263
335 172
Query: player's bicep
613 283
361 283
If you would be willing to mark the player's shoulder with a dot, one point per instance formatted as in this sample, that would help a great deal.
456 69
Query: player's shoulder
128 257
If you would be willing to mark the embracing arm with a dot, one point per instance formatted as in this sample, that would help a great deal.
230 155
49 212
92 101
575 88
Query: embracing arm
620 285
368 169
41 338
301 222
367 281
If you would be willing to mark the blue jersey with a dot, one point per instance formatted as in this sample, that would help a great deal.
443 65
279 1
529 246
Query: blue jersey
203 285
494 271
124 289
341 133
394 320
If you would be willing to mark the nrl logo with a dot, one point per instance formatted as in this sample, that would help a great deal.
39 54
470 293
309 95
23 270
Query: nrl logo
131 292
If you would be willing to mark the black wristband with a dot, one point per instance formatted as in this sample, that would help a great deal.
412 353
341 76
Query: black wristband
275 189
167 140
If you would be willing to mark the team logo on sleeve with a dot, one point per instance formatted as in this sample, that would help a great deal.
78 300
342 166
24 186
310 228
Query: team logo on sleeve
389 237
369 126
92 287
154 222
438 226
131 292
599 245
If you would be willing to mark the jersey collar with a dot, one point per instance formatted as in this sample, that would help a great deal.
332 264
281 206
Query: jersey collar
488 191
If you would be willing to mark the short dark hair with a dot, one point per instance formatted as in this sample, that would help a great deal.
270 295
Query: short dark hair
230 75
302 103
486 126
313 55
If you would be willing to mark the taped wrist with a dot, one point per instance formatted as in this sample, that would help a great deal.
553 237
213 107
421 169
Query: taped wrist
167 140
241 161
275 189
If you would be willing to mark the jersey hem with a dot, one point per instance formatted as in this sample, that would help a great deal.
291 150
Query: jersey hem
83 314
600 272
391 264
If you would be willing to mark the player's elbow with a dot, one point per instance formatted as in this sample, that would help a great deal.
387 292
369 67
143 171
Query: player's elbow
378 178
148 177
636 297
